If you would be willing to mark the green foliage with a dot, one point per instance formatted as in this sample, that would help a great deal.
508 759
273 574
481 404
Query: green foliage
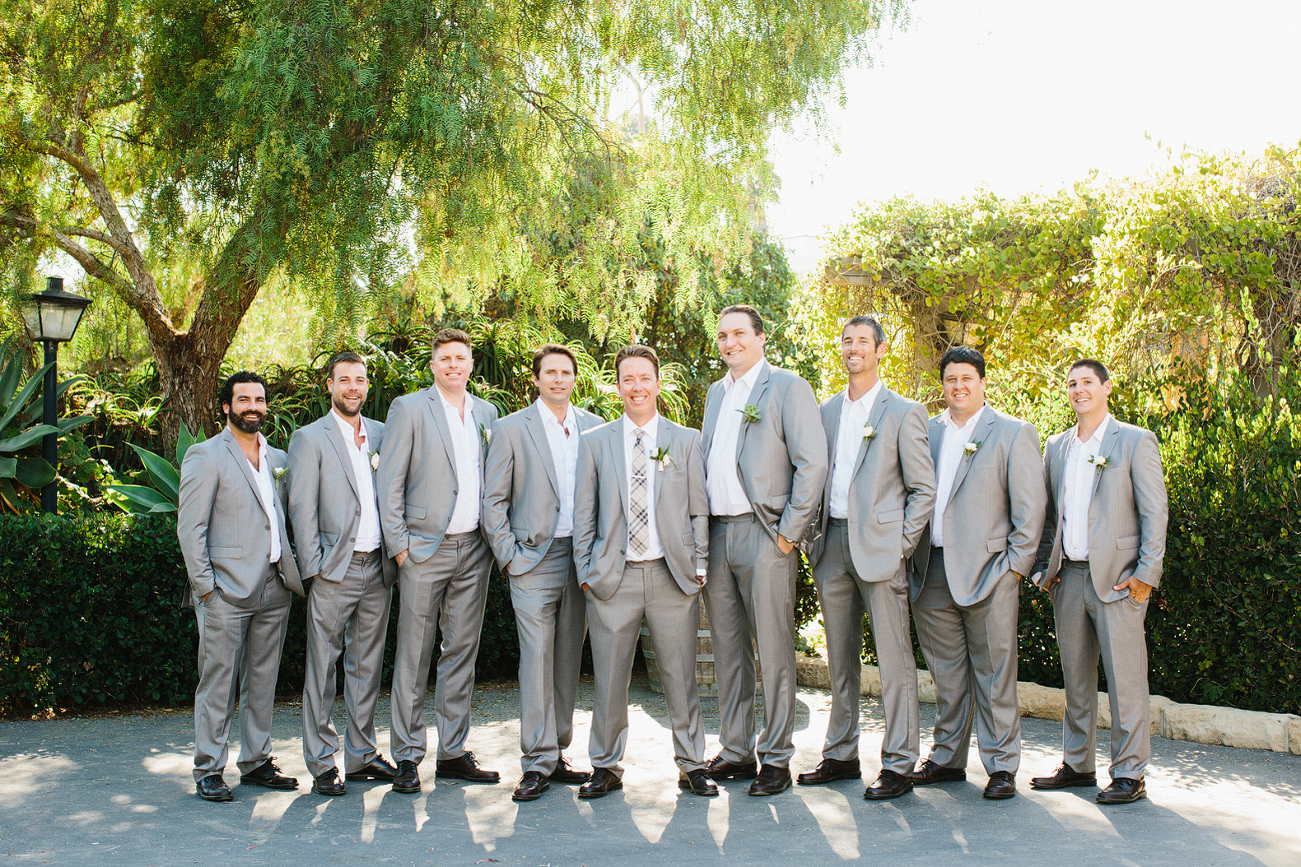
165 493
23 472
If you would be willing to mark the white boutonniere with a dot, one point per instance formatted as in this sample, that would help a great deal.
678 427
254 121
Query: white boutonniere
868 432
279 473
750 413
1098 461
662 458
485 435
374 461
970 449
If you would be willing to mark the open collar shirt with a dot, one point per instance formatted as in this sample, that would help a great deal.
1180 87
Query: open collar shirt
359 455
726 495
849 439
465 445
951 456
562 437
1078 490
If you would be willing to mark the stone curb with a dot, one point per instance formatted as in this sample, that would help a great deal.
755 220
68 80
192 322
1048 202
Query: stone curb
1199 723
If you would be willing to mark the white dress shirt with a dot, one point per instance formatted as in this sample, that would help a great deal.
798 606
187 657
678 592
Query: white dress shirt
726 496
654 548
368 526
465 445
952 454
1078 491
849 440
266 493
563 439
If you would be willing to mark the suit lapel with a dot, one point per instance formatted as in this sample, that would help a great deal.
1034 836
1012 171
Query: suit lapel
711 414
536 426
614 442
1059 467
340 450
935 438
979 435
873 419
831 424
440 422
756 396
479 415
1109 442
663 440
237 454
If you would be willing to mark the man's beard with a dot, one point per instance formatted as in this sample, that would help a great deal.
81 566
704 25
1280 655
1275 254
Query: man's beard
338 403
249 425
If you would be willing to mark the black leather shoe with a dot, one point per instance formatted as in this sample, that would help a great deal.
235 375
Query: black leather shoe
772 780
830 770
213 788
329 783
267 774
1064 777
531 786
930 773
888 785
603 782
1001 786
464 767
698 783
1123 790
407 779
378 769
568 776
720 768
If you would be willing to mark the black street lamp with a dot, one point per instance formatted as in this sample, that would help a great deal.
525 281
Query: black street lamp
52 318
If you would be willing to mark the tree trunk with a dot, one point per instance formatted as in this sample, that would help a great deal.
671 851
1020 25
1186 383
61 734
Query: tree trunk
188 374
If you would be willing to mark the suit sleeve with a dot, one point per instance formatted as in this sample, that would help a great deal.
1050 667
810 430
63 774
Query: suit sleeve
304 502
806 444
1049 531
394 461
918 470
698 504
585 504
1153 508
1027 495
194 511
498 476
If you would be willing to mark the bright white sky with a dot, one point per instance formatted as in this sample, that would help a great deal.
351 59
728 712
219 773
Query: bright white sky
1024 95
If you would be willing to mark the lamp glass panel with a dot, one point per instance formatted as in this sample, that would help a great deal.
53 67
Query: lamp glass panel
32 319
58 322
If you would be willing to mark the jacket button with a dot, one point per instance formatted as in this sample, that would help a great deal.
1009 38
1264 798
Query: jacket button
359 513
557 508
352 539
453 490
266 526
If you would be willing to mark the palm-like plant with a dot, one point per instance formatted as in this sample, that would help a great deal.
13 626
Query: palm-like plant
22 475
165 493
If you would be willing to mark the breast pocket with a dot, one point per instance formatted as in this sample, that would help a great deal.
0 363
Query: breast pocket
224 553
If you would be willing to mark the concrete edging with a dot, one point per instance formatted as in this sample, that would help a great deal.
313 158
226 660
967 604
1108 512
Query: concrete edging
1198 723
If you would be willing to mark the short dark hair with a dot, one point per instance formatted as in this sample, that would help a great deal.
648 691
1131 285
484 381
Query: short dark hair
552 349
755 319
451 335
963 355
345 357
877 331
227 394
637 350
1099 369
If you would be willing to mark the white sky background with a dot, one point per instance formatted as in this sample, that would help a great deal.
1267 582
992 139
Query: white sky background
1020 96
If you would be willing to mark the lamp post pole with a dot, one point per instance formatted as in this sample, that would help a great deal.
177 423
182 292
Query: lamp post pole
50 445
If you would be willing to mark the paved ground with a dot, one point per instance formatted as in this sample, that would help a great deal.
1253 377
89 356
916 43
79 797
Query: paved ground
118 791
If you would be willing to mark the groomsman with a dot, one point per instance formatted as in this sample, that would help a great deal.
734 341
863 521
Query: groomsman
1100 559
766 461
528 517
430 479
877 499
231 526
334 508
966 575
641 545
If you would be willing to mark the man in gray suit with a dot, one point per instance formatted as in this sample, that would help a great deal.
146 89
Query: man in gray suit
231 527
334 508
528 517
1100 558
765 461
641 546
430 479
966 575
876 501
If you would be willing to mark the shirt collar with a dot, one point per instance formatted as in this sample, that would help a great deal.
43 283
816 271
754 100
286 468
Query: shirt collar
346 426
549 417
750 377
469 405
866 400
948 421
1097 434
630 429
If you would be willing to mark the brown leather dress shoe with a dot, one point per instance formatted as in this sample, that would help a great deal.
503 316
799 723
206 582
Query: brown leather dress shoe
721 769
772 780
268 775
464 767
567 775
888 785
531 786
1001 786
603 782
1123 790
213 788
407 779
830 770
698 783
930 773
1064 777
329 783
378 769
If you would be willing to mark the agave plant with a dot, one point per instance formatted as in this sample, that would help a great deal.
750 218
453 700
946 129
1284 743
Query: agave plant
22 475
165 493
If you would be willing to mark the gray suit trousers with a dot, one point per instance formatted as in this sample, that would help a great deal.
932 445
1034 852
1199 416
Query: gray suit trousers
971 652
648 591
239 656
447 594
750 596
1087 627
352 614
844 597
551 619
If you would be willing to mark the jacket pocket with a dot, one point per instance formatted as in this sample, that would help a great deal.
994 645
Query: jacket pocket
1127 543
889 516
415 512
225 553
330 539
689 539
993 546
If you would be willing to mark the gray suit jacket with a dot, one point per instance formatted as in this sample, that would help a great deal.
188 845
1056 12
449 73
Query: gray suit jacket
781 459
323 504
222 528
892 490
600 511
521 493
417 471
1127 514
994 516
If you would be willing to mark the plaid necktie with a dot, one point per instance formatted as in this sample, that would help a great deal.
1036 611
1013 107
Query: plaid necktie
639 500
